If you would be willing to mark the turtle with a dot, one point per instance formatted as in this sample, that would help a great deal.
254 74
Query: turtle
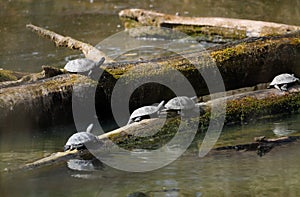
145 112
282 81
78 140
181 104
83 65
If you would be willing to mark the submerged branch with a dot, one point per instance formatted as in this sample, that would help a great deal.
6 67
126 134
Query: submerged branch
88 50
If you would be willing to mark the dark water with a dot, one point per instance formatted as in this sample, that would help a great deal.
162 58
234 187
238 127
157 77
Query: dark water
219 174
240 174
93 22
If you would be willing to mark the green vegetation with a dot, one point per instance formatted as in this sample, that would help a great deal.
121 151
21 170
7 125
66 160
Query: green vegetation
6 75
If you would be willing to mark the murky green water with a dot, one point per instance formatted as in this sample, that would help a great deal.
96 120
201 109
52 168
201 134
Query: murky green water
219 174
92 22
224 174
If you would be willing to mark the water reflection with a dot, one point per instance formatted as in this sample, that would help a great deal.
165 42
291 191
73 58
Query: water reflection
85 165
224 174
85 169
282 129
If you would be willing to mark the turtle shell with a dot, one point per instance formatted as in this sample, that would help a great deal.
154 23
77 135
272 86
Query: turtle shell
180 103
145 111
284 79
80 65
78 140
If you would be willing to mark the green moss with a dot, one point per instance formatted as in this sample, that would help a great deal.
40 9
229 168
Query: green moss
295 41
237 111
6 75
227 53
249 108
209 32
252 48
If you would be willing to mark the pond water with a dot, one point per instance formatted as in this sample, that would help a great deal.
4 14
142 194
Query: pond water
22 50
223 174
218 174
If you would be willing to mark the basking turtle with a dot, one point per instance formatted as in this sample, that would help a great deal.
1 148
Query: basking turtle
144 112
83 65
282 81
181 104
78 140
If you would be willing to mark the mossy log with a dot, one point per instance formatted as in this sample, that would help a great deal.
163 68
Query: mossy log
240 108
41 102
241 64
8 75
205 27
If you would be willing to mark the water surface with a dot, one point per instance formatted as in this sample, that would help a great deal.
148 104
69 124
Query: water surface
23 50
217 174
224 174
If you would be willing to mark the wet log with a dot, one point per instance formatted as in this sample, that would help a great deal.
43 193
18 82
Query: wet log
208 28
240 108
40 102
8 75
88 50
241 64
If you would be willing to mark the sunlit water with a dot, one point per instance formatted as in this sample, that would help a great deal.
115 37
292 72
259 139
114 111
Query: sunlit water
218 174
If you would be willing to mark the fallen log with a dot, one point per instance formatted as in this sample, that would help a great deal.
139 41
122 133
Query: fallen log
41 102
241 64
240 108
209 28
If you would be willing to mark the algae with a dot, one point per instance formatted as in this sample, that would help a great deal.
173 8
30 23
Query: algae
6 75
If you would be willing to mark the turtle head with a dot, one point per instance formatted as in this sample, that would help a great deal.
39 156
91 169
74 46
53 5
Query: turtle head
194 98
90 128
160 105
67 147
101 61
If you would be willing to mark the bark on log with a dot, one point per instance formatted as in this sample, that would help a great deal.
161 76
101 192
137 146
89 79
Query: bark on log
199 26
41 102
240 108
241 64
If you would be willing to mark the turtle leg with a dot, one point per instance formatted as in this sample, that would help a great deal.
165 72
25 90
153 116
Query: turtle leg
277 87
138 119
284 87
90 73
130 121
